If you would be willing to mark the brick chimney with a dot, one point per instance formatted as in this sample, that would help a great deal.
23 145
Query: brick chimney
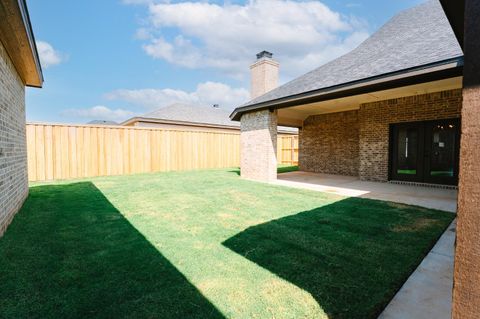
264 74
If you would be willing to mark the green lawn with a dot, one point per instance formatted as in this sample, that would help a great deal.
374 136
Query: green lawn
206 244
287 168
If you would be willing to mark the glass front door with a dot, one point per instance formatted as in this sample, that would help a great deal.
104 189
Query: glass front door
441 151
408 151
425 151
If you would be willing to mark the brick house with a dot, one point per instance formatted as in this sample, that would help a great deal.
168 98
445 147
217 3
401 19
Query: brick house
388 110
19 67
413 86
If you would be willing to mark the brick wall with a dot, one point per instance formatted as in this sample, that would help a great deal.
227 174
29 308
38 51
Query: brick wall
356 143
264 77
258 143
13 154
375 119
329 143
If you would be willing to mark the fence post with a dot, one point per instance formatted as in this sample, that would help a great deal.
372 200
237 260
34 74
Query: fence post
292 149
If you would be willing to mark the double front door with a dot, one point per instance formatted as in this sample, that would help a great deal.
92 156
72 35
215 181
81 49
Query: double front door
425 152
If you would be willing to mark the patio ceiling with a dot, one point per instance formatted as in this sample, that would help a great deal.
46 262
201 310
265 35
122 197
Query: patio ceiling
295 115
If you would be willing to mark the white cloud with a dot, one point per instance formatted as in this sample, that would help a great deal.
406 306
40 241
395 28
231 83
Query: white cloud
99 112
207 93
302 35
137 1
48 55
180 51
143 34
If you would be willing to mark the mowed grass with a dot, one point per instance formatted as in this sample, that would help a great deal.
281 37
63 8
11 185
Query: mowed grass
286 169
206 244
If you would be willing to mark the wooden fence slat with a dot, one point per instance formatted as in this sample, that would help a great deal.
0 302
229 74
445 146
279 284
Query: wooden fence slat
48 153
40 152
32 153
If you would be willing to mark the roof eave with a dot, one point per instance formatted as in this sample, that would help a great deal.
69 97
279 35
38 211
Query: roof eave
18 39
38 80
129 121
175 122
425 73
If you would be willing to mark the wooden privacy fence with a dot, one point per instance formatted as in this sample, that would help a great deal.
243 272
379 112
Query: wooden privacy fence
287 149
57 151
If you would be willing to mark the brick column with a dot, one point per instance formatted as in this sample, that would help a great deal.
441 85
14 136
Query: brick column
258 142
466 291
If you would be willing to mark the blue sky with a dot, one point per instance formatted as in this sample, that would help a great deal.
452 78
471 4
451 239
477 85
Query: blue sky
112 59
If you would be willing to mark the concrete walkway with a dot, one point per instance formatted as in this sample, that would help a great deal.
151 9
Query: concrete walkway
427 293
429 197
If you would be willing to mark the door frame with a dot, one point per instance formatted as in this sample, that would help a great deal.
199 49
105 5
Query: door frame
423 153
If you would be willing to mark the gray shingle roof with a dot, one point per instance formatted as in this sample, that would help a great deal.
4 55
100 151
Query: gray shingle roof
193 113
102 122
415 37
180 112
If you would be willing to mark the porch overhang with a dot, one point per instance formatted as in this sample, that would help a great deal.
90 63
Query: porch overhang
292 110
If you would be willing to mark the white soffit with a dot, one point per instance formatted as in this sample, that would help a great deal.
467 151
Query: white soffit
301 112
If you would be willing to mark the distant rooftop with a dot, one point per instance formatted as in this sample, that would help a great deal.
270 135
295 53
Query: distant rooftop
102 122
209 115
193 114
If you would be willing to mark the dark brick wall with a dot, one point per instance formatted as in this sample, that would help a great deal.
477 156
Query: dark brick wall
329 143
375 119
356 142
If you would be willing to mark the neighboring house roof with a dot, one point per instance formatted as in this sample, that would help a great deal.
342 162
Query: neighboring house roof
185 114
102 122
193 114
16 35
420 37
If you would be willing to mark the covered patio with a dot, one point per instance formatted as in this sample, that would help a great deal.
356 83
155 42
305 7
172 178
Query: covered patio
398 120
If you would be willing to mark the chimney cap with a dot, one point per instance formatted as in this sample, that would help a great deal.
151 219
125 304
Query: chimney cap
264 54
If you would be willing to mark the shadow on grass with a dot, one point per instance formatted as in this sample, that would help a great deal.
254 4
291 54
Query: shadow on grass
286 169
351 256
280 170
70 253
235 171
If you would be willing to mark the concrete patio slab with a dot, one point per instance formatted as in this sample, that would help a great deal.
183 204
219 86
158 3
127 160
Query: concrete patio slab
429 197
428 292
